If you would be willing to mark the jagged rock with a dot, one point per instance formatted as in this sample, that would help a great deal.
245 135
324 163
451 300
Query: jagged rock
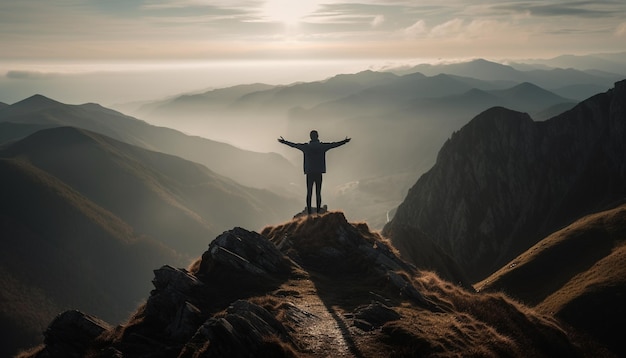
373 316
170 304
176 279
70 334
246 251
242 332
227 313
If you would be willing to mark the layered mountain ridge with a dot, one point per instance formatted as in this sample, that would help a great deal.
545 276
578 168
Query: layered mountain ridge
252 171
503 182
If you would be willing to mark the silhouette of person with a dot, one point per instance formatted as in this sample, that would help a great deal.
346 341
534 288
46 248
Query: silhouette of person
314 164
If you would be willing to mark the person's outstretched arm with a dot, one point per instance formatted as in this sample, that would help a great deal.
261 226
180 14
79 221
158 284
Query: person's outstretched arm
337 144
286 142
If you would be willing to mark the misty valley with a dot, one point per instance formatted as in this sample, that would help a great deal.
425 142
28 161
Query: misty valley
478 210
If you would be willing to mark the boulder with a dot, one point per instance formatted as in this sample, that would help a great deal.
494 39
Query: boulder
247 251
171 304
374 316
71 333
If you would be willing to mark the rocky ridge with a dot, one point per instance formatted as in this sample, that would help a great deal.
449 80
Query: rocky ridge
311 287
503 182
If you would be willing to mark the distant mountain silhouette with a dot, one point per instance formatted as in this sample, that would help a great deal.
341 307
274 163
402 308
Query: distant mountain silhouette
504 182
524 97
309 94
577 274
314 287
607 62
550 78
580 91
210 105
479 68
260 170
206 102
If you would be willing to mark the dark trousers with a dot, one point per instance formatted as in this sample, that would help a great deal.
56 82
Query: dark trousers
313 178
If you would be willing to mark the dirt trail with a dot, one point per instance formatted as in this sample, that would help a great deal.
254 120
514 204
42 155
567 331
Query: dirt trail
319 330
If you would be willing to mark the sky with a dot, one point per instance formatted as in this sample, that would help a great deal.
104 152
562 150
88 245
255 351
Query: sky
44 40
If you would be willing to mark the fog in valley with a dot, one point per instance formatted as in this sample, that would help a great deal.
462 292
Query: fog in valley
399 117
398 114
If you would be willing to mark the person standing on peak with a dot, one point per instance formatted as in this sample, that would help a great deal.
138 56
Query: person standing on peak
314 164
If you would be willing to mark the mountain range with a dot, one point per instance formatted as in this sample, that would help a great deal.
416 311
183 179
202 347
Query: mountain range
510 245
256 169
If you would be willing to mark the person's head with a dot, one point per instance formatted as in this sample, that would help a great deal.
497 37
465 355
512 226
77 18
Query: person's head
314 135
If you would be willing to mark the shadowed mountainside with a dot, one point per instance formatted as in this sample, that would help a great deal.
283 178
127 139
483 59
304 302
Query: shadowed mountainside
178 202
312 287
62 251
261 170
79 210
504 182
577 274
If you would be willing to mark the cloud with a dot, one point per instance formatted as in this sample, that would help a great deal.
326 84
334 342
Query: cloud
417 29
620 31
582 9
30 75
448 29
378 20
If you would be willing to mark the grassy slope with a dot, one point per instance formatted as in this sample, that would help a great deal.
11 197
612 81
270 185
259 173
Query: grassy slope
577 274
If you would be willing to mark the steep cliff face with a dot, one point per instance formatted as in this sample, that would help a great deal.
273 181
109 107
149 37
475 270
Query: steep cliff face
503 182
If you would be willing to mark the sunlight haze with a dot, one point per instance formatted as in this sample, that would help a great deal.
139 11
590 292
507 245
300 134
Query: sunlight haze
116 52
154 48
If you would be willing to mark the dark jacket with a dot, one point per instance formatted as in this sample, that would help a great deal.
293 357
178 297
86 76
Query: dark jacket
315 154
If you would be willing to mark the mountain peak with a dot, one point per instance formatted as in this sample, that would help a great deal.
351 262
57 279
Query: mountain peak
527 88
36 102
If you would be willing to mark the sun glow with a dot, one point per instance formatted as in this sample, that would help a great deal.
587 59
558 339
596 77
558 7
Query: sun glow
289 12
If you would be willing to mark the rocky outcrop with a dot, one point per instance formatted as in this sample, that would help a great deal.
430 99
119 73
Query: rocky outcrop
503 182
243 250
314 287
70 335
242 332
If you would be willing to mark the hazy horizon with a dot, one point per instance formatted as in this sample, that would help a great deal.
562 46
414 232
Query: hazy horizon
115 52
122 82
